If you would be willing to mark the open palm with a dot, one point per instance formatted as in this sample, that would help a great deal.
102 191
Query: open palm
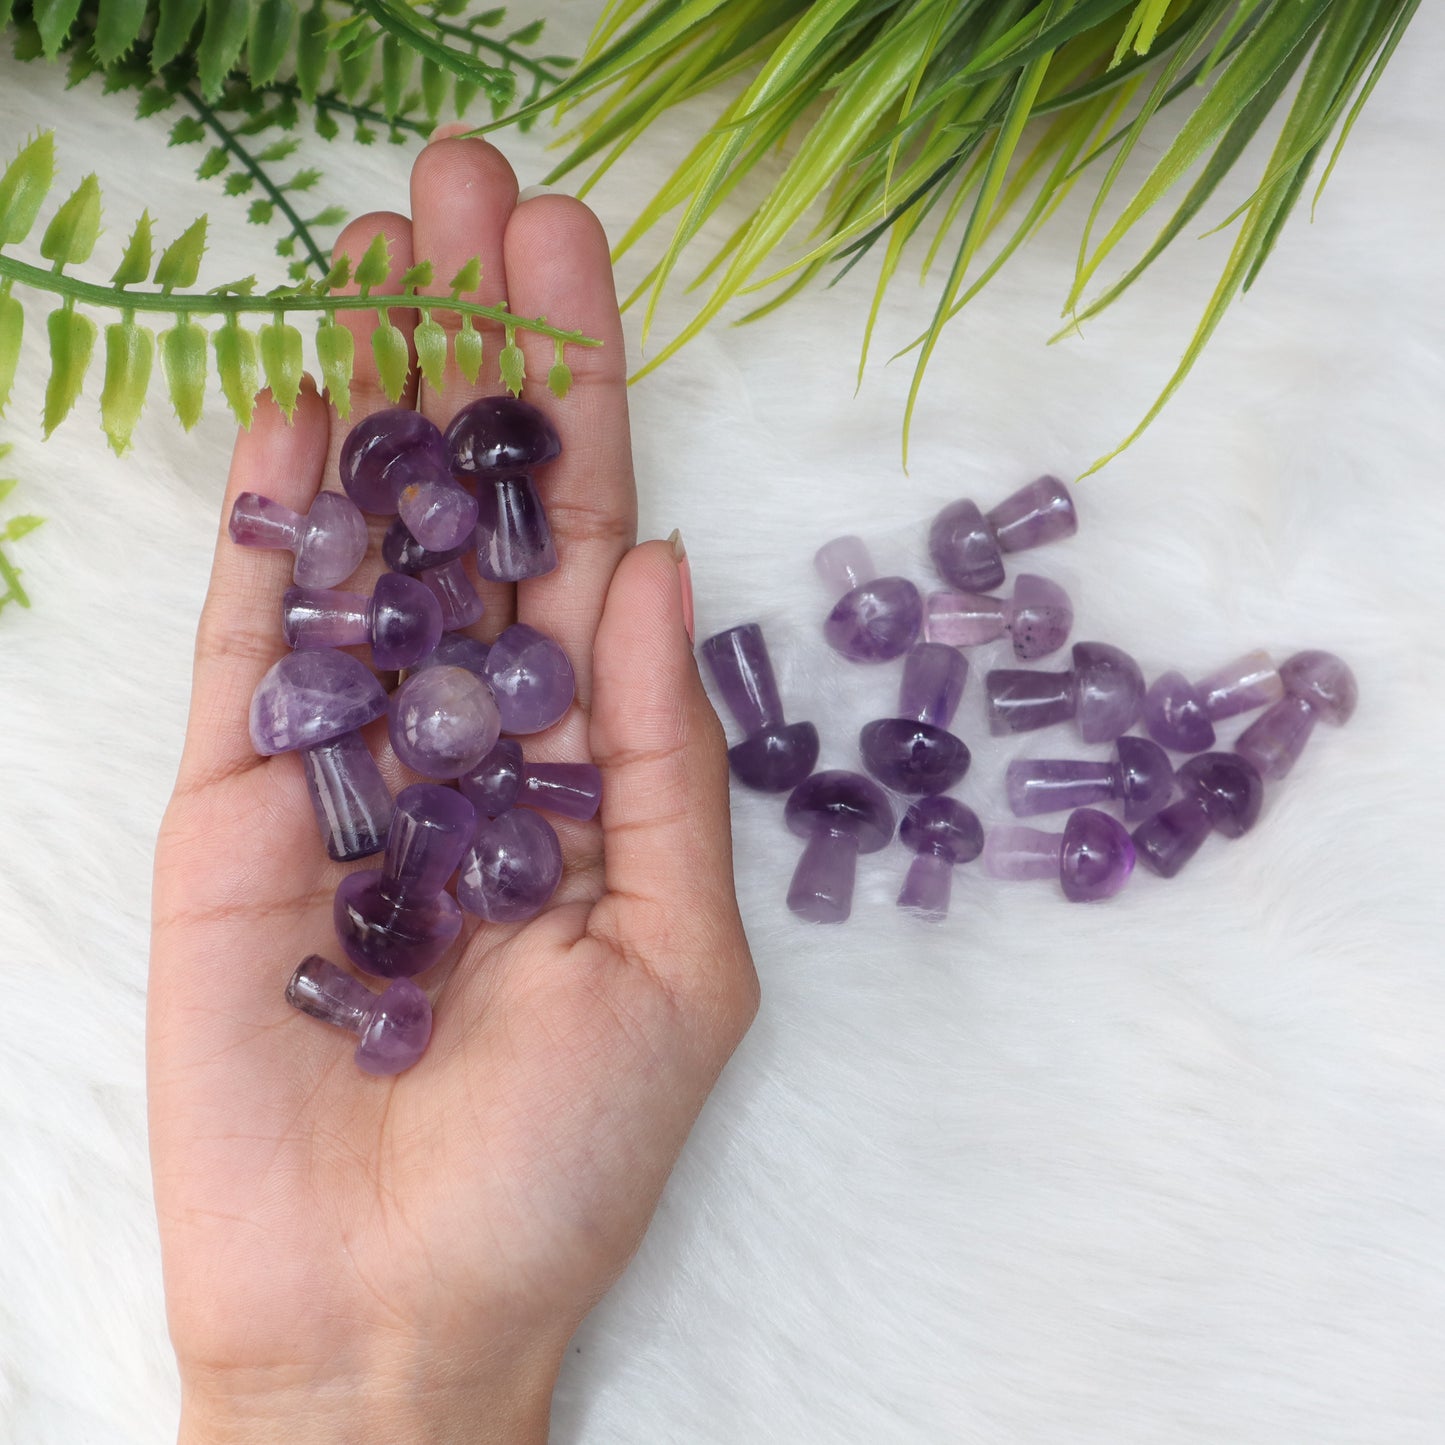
427 1243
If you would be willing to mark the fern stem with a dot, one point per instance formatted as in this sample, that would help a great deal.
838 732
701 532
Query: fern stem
332 103
227 137
497 47
275 303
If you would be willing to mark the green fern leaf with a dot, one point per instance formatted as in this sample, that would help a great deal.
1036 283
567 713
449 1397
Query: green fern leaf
54 19
117 28
176 22
227 23
273 24
24 186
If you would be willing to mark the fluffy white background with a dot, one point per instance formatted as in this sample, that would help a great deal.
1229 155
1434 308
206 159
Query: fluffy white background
1167 1169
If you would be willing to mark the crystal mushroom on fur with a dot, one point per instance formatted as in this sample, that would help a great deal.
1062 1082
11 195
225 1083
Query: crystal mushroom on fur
876 618
1223 793
1037 618
1102 692
774 756
312 703
398 920
512 869
395 462
914 752
496 443
505 779
1092 858
841 814
401 620
967 545
1318 687
329 542
531 678
444 574
443 721
944 834
392 1027
1180 715
1141 778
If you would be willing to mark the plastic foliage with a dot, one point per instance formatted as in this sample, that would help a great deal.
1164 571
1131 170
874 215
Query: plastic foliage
241 77
962 125
152 279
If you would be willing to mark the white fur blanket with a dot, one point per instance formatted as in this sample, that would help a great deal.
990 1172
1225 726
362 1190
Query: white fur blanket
1169 1169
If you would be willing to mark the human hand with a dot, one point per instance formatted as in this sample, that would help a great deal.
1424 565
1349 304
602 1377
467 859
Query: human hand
359 1259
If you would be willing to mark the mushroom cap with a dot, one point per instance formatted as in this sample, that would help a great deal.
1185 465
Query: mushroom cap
1109 689
943 826
387 451
1146 777
1176 714
777 758
1097 856
876 621
501 434
1039 615
492 786
1229 786
841 802
913 757
310 697
1325 682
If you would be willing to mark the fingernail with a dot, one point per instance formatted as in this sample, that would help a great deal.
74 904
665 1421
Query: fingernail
530 193
684 572
449 128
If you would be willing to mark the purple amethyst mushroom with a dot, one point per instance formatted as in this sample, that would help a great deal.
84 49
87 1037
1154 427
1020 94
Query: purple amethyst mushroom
401 620
1223 793
944 834
329 542
914 752
1103 692
1092 858
1037 618
504 779
774 756
1141 779
1180 714
967 545
496 442
841 814
312 702
392 1027
398 920
876 618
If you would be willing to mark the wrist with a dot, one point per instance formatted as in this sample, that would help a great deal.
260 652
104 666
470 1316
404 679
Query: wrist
469 1404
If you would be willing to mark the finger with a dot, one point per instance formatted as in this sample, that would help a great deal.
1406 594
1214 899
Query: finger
558 267
462 192
667 841
367 393
239 635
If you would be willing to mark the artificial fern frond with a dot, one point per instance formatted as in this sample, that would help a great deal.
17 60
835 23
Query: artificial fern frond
321 58
166 284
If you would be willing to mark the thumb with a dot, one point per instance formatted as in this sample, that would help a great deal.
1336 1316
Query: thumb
667 838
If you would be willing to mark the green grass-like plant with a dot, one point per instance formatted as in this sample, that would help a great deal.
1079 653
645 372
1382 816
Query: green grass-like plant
963 124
